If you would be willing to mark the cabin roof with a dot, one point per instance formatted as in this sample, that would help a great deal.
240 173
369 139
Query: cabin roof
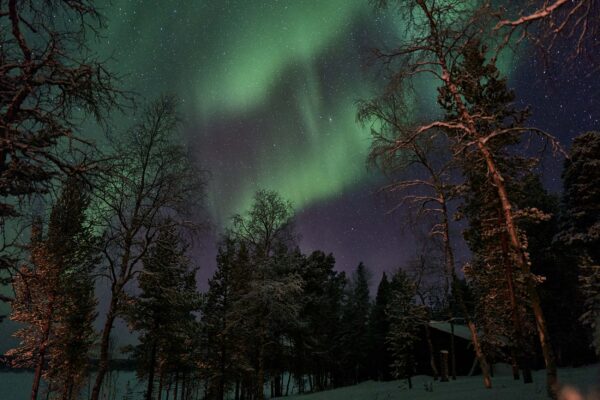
460 330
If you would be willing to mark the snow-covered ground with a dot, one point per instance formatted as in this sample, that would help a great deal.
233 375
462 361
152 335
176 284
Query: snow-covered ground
585 380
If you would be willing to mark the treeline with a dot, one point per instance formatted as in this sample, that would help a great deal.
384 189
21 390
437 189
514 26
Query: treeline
274 321
75 217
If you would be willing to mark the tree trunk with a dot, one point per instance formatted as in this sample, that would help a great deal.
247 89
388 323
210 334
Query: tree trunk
183 385
450 267
431 353
38 372
176 390
498 181
452 351
514 364
276 386
168 391
444 362
160 382
151 371
260 376
222 367
49 391
104 343
519 345
41 359
549 360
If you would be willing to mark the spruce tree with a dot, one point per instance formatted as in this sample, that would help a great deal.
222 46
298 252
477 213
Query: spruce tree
406 320
224 358
163 311
55 296
355 327
316 349
379 330
268 304
443 33
580 222
507 292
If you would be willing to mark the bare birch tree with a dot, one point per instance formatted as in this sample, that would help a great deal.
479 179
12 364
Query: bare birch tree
438 33
149 178
430 189
547 22
49 80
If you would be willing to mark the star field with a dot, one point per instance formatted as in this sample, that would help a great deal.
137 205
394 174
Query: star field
268 91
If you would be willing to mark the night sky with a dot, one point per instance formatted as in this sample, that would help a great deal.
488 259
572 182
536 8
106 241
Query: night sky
268 91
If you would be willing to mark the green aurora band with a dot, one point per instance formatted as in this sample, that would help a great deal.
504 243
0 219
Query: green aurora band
282 75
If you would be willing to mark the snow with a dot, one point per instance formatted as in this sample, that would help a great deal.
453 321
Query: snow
583 380
16 386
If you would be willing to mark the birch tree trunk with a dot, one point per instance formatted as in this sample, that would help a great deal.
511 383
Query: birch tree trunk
497 180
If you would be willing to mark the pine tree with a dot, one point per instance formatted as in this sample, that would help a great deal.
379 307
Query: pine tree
507 291
55 296
268 305
164 309
560 295
379 330
74 333
268 309
35 305
580 221
355 327
443 35
406 320
315 345
224 357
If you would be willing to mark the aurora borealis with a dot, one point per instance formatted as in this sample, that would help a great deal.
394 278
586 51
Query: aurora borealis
268 91
271 84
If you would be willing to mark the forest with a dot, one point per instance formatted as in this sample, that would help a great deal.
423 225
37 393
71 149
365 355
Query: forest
101 231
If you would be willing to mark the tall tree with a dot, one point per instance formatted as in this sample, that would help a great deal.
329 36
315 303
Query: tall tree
168 297
269 305
406 320
148 177
74 335
223 352
422 170
580 221
50 79
50 82
35 304
484 89
379 327
316 347
442 31
267 225
355 327
54 296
